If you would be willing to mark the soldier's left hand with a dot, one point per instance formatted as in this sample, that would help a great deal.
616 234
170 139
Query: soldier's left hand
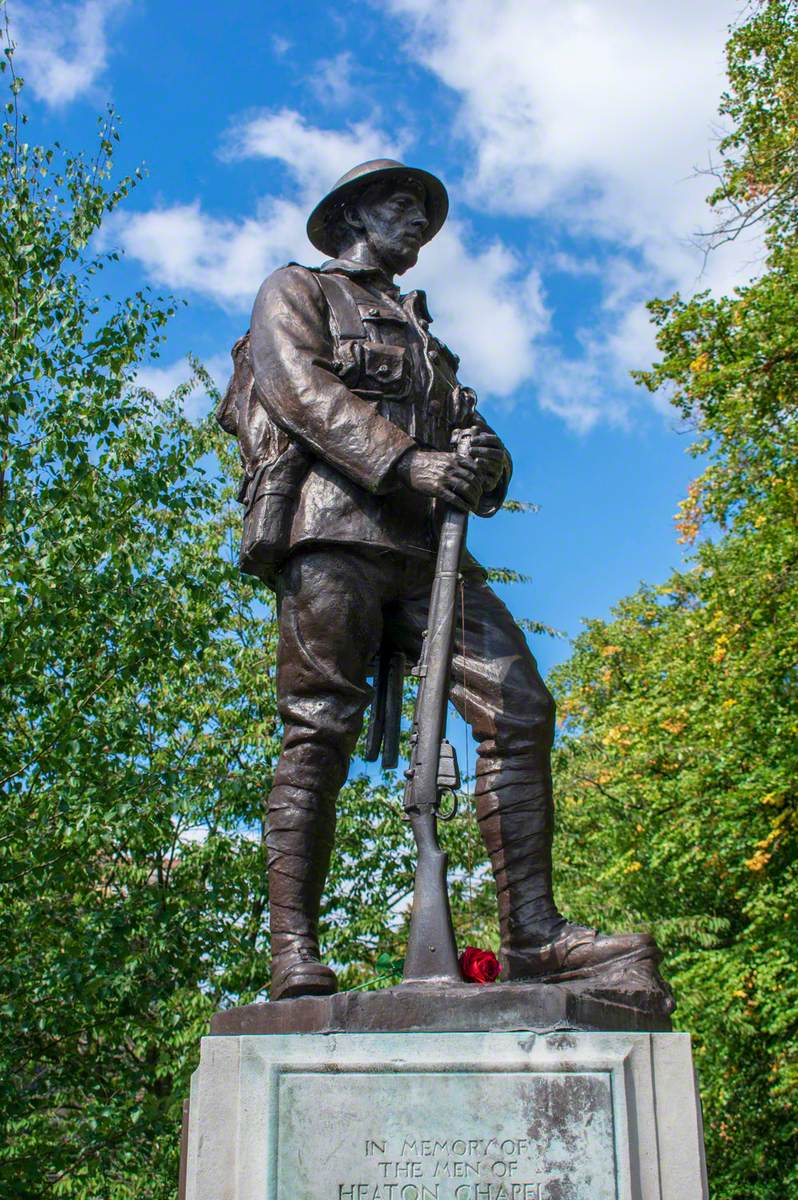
489 453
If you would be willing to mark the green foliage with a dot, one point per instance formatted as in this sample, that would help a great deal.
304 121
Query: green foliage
139 731
677 801
520 506
507 575
759 170
128 719
138 723
677 812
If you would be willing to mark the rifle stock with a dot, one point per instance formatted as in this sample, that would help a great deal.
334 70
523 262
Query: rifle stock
431 950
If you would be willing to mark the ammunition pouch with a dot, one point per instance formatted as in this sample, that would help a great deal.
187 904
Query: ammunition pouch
274 468
270 498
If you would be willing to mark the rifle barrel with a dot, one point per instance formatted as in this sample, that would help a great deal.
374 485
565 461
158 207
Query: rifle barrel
436 681
431 947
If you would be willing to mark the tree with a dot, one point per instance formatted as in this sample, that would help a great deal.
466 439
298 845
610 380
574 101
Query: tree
122 707
678 760
138 725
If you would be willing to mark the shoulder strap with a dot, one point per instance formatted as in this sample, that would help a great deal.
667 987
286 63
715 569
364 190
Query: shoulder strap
343 306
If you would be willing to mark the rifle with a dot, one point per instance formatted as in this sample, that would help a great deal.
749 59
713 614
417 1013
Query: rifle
431 949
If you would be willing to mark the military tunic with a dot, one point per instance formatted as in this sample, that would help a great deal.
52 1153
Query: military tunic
358 397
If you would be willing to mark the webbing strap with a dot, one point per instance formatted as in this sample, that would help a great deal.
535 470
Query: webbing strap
343 306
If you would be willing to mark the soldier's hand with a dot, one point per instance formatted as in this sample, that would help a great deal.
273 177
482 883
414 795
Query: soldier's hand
490 456
445 476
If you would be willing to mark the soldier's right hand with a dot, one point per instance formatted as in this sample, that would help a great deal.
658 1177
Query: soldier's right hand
445 476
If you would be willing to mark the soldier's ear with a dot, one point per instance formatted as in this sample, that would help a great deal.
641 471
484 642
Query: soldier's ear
353 218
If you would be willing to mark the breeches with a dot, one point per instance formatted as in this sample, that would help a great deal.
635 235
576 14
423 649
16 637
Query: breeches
334 606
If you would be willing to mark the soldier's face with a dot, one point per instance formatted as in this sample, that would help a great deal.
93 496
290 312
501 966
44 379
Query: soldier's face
394 223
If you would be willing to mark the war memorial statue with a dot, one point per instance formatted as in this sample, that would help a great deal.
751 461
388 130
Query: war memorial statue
364 458
349 445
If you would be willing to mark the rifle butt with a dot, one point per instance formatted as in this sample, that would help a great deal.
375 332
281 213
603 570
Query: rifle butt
431 949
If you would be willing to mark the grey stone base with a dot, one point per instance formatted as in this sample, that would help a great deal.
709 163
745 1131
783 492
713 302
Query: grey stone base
445 1116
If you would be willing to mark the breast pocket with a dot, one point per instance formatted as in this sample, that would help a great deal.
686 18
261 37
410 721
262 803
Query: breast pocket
383 370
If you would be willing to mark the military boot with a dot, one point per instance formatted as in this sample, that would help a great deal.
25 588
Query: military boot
515 813
299 840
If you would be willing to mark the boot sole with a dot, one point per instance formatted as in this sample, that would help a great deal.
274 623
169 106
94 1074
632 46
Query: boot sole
302 981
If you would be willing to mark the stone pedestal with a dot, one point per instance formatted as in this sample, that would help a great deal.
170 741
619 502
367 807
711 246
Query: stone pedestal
523 1115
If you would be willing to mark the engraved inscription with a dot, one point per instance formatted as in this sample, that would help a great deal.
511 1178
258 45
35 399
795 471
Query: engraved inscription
446 1136
434 1161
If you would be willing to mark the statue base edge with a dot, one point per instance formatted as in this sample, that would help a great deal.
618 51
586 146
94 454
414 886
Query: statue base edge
459 1008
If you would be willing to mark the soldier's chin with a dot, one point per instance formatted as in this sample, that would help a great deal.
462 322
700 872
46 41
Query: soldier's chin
405 259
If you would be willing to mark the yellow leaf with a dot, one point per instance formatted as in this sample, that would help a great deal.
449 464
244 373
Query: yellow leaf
758 861
672 726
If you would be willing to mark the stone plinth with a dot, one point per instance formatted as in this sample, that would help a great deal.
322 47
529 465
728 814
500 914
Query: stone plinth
567 1115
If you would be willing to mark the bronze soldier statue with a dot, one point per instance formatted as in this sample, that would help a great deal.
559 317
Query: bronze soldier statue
357 402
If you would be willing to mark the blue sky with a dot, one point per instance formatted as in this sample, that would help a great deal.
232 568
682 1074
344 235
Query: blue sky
568 136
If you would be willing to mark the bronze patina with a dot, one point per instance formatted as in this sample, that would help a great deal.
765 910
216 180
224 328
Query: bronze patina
347 406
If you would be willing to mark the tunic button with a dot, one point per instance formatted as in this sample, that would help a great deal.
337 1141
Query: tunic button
374 312
433 355
382 369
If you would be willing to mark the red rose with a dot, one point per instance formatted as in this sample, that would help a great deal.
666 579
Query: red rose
479 966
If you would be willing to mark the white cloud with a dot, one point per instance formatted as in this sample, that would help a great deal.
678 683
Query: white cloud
589 107
593 384
485 305
163 380
280 45
331 80
591 115
575 390
486 302
314 157
194 834
227 259
223 258
63 48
